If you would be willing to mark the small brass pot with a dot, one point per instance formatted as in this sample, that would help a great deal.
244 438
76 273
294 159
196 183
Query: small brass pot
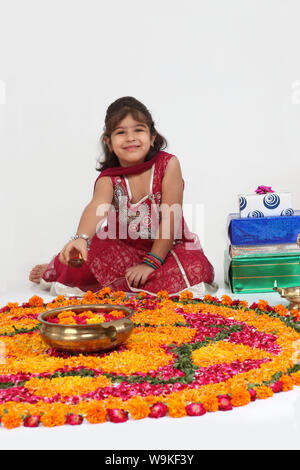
86 338
292 294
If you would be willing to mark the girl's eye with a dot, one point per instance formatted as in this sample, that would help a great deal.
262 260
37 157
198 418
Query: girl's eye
138 130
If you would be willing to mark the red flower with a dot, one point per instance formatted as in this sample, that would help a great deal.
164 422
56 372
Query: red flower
52 320
195 409
31 421
253 394
81 320
158 410
276 387
224 403
117 416
4 309
73 419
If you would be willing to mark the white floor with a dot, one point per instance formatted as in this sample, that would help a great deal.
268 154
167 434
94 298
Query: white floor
264 424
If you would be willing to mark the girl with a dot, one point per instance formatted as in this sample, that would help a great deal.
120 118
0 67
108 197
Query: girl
132 235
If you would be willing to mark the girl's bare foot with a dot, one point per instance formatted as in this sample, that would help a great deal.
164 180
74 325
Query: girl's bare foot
37 272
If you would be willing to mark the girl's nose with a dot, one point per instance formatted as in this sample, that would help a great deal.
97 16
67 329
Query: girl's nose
130 137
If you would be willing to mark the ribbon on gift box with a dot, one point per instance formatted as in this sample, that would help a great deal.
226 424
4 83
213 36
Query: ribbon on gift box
263 250
264 190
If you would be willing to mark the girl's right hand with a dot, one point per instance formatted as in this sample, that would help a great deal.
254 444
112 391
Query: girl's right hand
72 250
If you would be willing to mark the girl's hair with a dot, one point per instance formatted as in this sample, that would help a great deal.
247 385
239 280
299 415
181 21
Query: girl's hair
115 113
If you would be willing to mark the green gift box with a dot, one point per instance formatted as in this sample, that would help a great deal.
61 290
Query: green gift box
250 274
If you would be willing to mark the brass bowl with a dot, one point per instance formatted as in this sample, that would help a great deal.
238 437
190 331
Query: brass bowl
86 338
292 294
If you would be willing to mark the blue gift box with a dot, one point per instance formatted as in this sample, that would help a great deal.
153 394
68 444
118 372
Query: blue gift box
264 230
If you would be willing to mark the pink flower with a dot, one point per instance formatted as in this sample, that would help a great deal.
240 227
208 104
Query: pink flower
73 419
31 421
195 409
117 416
276 387
158 410
224 403
53 320
264 189
253 394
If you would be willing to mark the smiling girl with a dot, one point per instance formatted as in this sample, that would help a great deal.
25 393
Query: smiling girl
132 235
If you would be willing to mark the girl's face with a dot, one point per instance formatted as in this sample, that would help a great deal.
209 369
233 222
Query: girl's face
130 141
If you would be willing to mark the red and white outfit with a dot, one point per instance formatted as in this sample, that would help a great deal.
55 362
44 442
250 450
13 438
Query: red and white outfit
185 267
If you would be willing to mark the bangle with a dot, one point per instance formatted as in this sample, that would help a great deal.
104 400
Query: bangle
157 257
84 237
151 261
149 264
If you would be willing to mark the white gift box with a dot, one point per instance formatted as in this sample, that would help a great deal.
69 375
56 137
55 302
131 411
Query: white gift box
265 205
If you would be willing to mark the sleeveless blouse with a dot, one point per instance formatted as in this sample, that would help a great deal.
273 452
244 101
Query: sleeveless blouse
140 221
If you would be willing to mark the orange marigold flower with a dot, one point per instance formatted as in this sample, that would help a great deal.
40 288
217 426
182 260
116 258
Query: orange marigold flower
262 304
176 407
226 300
240 397
186 295
53 417
281 309
13 304
138 408
296 378
103 292
294 312
287 383
11 420
117 313
66 313
121 295
96 414
208 298
36 301
162 294
243 303
263 392
210 403
67 321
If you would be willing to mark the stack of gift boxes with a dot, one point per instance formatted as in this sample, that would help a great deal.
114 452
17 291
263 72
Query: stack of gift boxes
262 249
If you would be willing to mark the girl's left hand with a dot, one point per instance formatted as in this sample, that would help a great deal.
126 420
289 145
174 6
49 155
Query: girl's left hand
137 275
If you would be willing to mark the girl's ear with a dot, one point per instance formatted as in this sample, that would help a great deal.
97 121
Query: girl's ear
107 141
153 137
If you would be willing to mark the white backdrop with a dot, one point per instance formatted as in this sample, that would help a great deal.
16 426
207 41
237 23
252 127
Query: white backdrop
222 80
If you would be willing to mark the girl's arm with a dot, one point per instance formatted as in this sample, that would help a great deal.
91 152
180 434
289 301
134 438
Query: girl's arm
171 209
94 213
